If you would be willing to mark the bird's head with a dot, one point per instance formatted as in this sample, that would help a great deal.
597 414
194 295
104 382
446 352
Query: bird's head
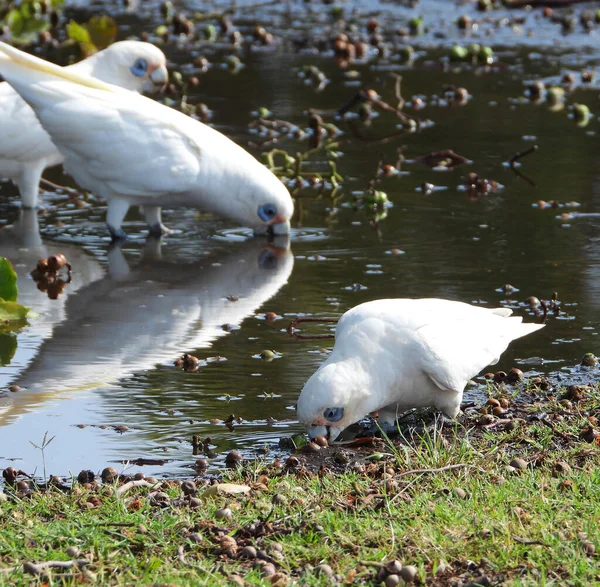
333 399
133 65
268 206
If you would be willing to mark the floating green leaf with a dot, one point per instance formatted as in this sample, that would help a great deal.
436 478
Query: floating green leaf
103 31
97 34
12 312
26 23
8 347
8 281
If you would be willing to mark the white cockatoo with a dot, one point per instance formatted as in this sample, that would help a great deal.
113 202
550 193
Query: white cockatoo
131 150
25 147
393 355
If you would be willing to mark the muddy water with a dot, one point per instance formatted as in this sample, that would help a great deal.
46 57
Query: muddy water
95 366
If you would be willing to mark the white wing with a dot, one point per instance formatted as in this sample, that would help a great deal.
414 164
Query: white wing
114 136
448 341
22 137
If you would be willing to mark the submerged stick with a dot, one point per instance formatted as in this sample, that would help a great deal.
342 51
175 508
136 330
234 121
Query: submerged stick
294 323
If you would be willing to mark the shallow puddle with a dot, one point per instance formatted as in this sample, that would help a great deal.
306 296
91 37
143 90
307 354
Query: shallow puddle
95 367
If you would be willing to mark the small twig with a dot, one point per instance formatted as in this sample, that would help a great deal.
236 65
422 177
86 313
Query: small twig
520 155
439 470
382 139
521 540
131 484
181 558
285 518
39 568
497 423
73 193
294 323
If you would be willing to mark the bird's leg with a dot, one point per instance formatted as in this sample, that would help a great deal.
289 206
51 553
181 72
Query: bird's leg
118 268
117 209
152 214
29 186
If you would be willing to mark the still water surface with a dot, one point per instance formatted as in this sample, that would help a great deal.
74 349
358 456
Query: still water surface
101 356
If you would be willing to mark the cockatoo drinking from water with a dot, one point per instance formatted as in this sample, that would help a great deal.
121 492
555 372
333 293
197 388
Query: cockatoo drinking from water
392 355
131 150
25 147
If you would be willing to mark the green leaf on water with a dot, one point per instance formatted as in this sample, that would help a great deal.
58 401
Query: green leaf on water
97 34
8 347
12 314
8 281
79 33
103 31
14 22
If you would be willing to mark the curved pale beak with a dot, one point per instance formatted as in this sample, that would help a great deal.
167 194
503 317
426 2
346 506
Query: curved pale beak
159 76
279 228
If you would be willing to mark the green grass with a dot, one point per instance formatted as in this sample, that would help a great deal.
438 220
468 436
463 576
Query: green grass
535 526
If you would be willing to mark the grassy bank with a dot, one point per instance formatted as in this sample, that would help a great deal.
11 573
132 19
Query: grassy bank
511 498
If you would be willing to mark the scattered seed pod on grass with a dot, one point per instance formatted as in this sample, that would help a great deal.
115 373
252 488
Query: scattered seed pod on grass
408 573
234 458
311 448
519 464
589 548
224 514
85 476
562 468
292 462
279 580
109 475
195 537
10 475
228 546
188 488
23 486
321 441
248 552
515 375
394 566
268 570
589 360
576 393
201 465
589 434
392 581
73 551
323 570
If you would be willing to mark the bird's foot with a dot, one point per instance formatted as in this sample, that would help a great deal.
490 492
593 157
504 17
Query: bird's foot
158 229
117 234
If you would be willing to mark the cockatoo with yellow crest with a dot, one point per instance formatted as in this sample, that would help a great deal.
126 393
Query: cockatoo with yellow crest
26 148
393 355
131 150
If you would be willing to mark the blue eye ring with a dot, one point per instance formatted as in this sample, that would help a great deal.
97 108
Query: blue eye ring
267 212
140 67
333 414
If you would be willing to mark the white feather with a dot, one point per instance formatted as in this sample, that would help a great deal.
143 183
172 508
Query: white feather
26 148
131 150
392 355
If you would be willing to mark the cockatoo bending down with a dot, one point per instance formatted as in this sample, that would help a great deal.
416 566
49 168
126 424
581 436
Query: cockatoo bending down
393 355
25 147
131 150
